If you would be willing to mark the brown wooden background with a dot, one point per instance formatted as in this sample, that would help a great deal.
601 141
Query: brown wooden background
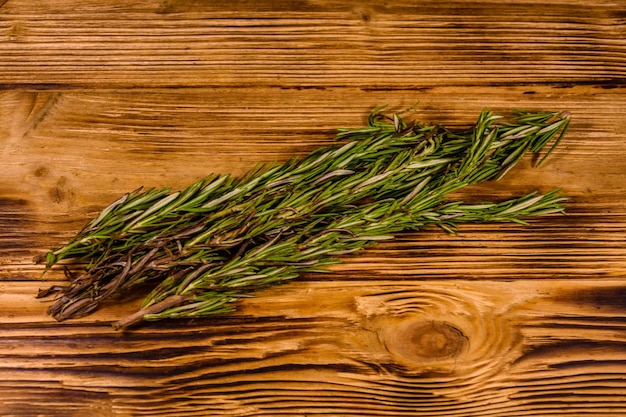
100 97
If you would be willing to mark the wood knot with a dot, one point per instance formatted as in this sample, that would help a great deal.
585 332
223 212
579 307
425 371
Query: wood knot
442 331
435 340
41 172
430 343
16 32
364 14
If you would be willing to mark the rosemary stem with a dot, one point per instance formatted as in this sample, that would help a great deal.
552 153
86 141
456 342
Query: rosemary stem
137 317
222 237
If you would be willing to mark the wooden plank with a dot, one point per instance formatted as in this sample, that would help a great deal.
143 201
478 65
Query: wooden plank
497 321
99 98
298 44
69 154
433 348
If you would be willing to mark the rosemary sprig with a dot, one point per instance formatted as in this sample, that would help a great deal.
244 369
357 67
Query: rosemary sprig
203 290
214 227
130 219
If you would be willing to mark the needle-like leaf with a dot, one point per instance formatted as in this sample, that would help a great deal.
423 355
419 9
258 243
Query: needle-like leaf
222 238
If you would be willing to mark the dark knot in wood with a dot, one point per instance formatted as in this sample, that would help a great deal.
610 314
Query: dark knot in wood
426 342
436 340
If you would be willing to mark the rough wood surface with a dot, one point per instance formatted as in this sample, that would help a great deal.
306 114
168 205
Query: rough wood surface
99 98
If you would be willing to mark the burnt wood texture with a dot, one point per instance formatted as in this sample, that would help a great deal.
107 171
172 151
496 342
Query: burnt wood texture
98 98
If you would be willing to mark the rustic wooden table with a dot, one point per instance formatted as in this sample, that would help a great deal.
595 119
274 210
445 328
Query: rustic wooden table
100 97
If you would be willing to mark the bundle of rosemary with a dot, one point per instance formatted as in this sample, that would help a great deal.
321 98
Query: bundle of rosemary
223 238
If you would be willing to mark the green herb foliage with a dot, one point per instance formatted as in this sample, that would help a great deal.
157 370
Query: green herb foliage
222 238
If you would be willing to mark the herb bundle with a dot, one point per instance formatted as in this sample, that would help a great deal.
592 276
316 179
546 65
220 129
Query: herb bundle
223 238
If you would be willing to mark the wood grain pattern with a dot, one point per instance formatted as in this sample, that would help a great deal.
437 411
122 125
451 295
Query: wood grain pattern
310 43
450 347
99 98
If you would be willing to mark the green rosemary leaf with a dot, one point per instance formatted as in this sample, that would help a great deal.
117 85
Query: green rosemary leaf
277 221
248 274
